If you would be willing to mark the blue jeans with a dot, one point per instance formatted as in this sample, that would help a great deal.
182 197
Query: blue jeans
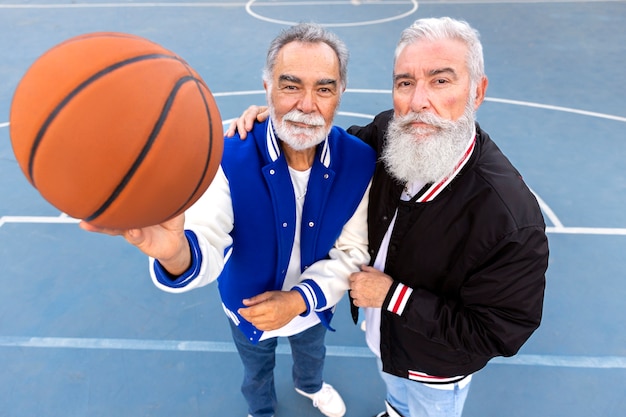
415 399
308 352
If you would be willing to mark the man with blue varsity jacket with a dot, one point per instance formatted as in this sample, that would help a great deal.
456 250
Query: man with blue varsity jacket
283 224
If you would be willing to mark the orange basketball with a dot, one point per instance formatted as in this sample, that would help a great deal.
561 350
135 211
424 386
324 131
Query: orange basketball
116 130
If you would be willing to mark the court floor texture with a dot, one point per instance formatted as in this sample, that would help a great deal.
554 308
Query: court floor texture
83 331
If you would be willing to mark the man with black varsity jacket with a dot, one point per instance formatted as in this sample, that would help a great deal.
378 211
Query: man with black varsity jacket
457 239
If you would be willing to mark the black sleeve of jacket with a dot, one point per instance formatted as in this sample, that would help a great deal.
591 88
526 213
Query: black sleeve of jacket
499 306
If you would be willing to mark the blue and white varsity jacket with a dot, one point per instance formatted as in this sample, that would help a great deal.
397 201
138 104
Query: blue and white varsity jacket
241 231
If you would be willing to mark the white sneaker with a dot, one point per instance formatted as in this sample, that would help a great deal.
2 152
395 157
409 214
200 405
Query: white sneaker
327 400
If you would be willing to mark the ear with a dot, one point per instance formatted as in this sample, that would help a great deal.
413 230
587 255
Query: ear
481 91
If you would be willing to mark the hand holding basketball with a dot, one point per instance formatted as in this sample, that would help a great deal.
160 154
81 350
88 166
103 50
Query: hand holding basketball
116 130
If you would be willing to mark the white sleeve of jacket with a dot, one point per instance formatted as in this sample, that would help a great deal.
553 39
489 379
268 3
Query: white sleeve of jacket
211 218
347 255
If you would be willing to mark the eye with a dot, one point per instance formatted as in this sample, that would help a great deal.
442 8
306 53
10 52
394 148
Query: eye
289 88
325 91
403 84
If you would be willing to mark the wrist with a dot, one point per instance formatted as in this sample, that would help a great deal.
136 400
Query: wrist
302 305
180 261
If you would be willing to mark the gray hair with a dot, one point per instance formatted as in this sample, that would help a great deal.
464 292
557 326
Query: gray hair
307 33
432 29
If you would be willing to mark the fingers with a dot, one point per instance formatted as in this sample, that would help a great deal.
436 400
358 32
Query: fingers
255 307
369 287
356 276
230 132
263 113
273 309
367 268
238 126
97 229
257 313
134 236
257 299
244 123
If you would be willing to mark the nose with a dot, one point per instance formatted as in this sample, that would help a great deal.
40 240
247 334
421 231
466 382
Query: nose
307 102
420 100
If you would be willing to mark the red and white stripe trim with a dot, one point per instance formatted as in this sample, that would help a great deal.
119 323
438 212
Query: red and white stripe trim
399 299
429 379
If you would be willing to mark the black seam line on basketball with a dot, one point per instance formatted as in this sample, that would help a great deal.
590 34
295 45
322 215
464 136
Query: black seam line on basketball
144 151
208 158
53 114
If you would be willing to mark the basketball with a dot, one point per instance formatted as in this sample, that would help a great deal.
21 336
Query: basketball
114 129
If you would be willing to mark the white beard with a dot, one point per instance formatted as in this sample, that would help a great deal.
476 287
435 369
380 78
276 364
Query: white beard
300 138
426 155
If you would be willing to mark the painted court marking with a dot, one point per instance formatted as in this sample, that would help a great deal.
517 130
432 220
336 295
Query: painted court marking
596 362
602 362
412 3
244 3
557 226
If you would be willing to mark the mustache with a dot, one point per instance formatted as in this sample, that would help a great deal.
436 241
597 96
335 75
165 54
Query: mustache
428 118
296 116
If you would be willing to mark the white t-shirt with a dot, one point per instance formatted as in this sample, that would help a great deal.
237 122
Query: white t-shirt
372 315
298 324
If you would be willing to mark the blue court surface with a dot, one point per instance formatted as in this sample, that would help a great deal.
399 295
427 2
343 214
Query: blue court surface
83 332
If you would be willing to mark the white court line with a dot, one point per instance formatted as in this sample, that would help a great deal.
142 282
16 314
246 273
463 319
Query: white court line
596 362
37 219
354 3
286 3
492 99
63 219
328 3
548 211
604 362
570 361
239 93
556 229
517 1
158 345
587 231
557 108
115 5
552 217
